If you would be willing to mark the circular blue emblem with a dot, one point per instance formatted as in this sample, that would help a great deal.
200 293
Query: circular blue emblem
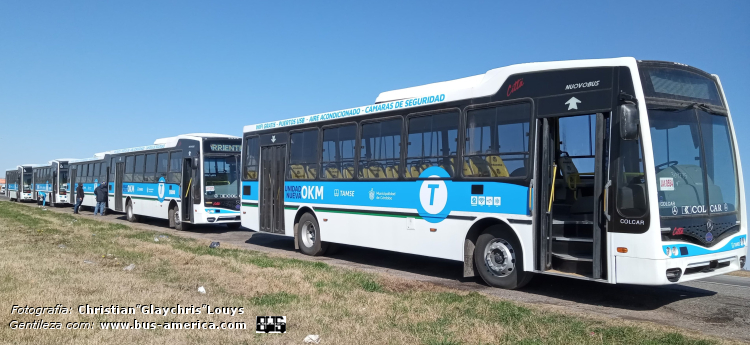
709 237
161 188
433 194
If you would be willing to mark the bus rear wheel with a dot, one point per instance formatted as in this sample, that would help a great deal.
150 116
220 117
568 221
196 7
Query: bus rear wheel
130 215
499 259
308 236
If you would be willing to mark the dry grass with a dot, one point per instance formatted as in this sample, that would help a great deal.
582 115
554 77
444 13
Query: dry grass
741 273
42 264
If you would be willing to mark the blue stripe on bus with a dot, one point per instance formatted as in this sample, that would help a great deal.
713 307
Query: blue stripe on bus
434 199
693 250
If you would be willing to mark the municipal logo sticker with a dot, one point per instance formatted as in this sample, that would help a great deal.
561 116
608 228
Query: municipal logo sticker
161 189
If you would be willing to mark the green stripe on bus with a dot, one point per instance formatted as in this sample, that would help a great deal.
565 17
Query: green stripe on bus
249 204
370 213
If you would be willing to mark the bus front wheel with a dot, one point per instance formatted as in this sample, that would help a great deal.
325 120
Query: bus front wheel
499 259
309 236
129 212
177 219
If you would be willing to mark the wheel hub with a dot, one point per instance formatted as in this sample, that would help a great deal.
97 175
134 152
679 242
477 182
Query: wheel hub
500 257
308 234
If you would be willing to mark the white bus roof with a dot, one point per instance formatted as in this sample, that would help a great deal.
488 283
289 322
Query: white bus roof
168 142
482 85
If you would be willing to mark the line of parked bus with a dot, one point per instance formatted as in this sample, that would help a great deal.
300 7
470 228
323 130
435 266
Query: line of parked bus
612 170
146 181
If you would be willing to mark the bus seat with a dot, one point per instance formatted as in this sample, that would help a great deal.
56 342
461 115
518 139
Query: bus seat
569 171
312 172
468 168
479 166
297 172
376 171
497 167
348 172
332 172
391 171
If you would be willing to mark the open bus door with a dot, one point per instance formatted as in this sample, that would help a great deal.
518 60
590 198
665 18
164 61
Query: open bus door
571 223
191 184
73 184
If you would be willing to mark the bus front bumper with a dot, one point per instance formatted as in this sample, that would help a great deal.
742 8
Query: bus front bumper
630 270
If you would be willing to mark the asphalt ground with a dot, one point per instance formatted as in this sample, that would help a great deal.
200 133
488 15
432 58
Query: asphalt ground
717 306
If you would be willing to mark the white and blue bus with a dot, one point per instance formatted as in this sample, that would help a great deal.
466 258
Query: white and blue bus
41 186
89 172
60 182
20 183
188 179
612 170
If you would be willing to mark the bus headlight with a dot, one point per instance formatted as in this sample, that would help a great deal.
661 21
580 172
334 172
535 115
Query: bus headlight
668 251
674 251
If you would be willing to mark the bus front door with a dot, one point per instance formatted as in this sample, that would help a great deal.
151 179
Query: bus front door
73 184
273 172
189 182
119 173
571 173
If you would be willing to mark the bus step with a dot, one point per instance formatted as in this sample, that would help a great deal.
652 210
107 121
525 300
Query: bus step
575 257
573 239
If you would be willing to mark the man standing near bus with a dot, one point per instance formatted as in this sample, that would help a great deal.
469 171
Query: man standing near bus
101 198
79 197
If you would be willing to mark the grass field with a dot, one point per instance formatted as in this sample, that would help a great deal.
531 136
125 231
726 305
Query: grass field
49 258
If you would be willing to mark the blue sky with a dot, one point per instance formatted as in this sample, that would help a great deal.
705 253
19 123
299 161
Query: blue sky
88 76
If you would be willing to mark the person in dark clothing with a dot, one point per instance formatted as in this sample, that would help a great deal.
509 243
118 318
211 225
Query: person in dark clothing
101 192
79 197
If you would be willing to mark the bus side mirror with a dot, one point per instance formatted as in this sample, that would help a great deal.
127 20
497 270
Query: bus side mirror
629 120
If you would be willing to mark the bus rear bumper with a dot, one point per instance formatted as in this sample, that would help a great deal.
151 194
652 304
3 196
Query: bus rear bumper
640 271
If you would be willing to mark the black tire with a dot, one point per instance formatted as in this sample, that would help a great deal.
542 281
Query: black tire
129 214
234 225
171 217
308 236
503 265
177 218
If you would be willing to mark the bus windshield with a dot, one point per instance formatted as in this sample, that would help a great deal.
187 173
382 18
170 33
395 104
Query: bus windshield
694 161
63 180
26 183
221 177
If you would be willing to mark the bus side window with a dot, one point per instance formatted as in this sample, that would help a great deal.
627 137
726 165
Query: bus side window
175 167
303 155
497 141
97 172
162 165
432 141
129 168
380 149
252 151
150 171
338 152
90 173
139 164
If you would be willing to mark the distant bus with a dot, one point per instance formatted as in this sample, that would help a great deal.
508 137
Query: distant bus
41 186
188 179
19 183
612 170
60 182
89 172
